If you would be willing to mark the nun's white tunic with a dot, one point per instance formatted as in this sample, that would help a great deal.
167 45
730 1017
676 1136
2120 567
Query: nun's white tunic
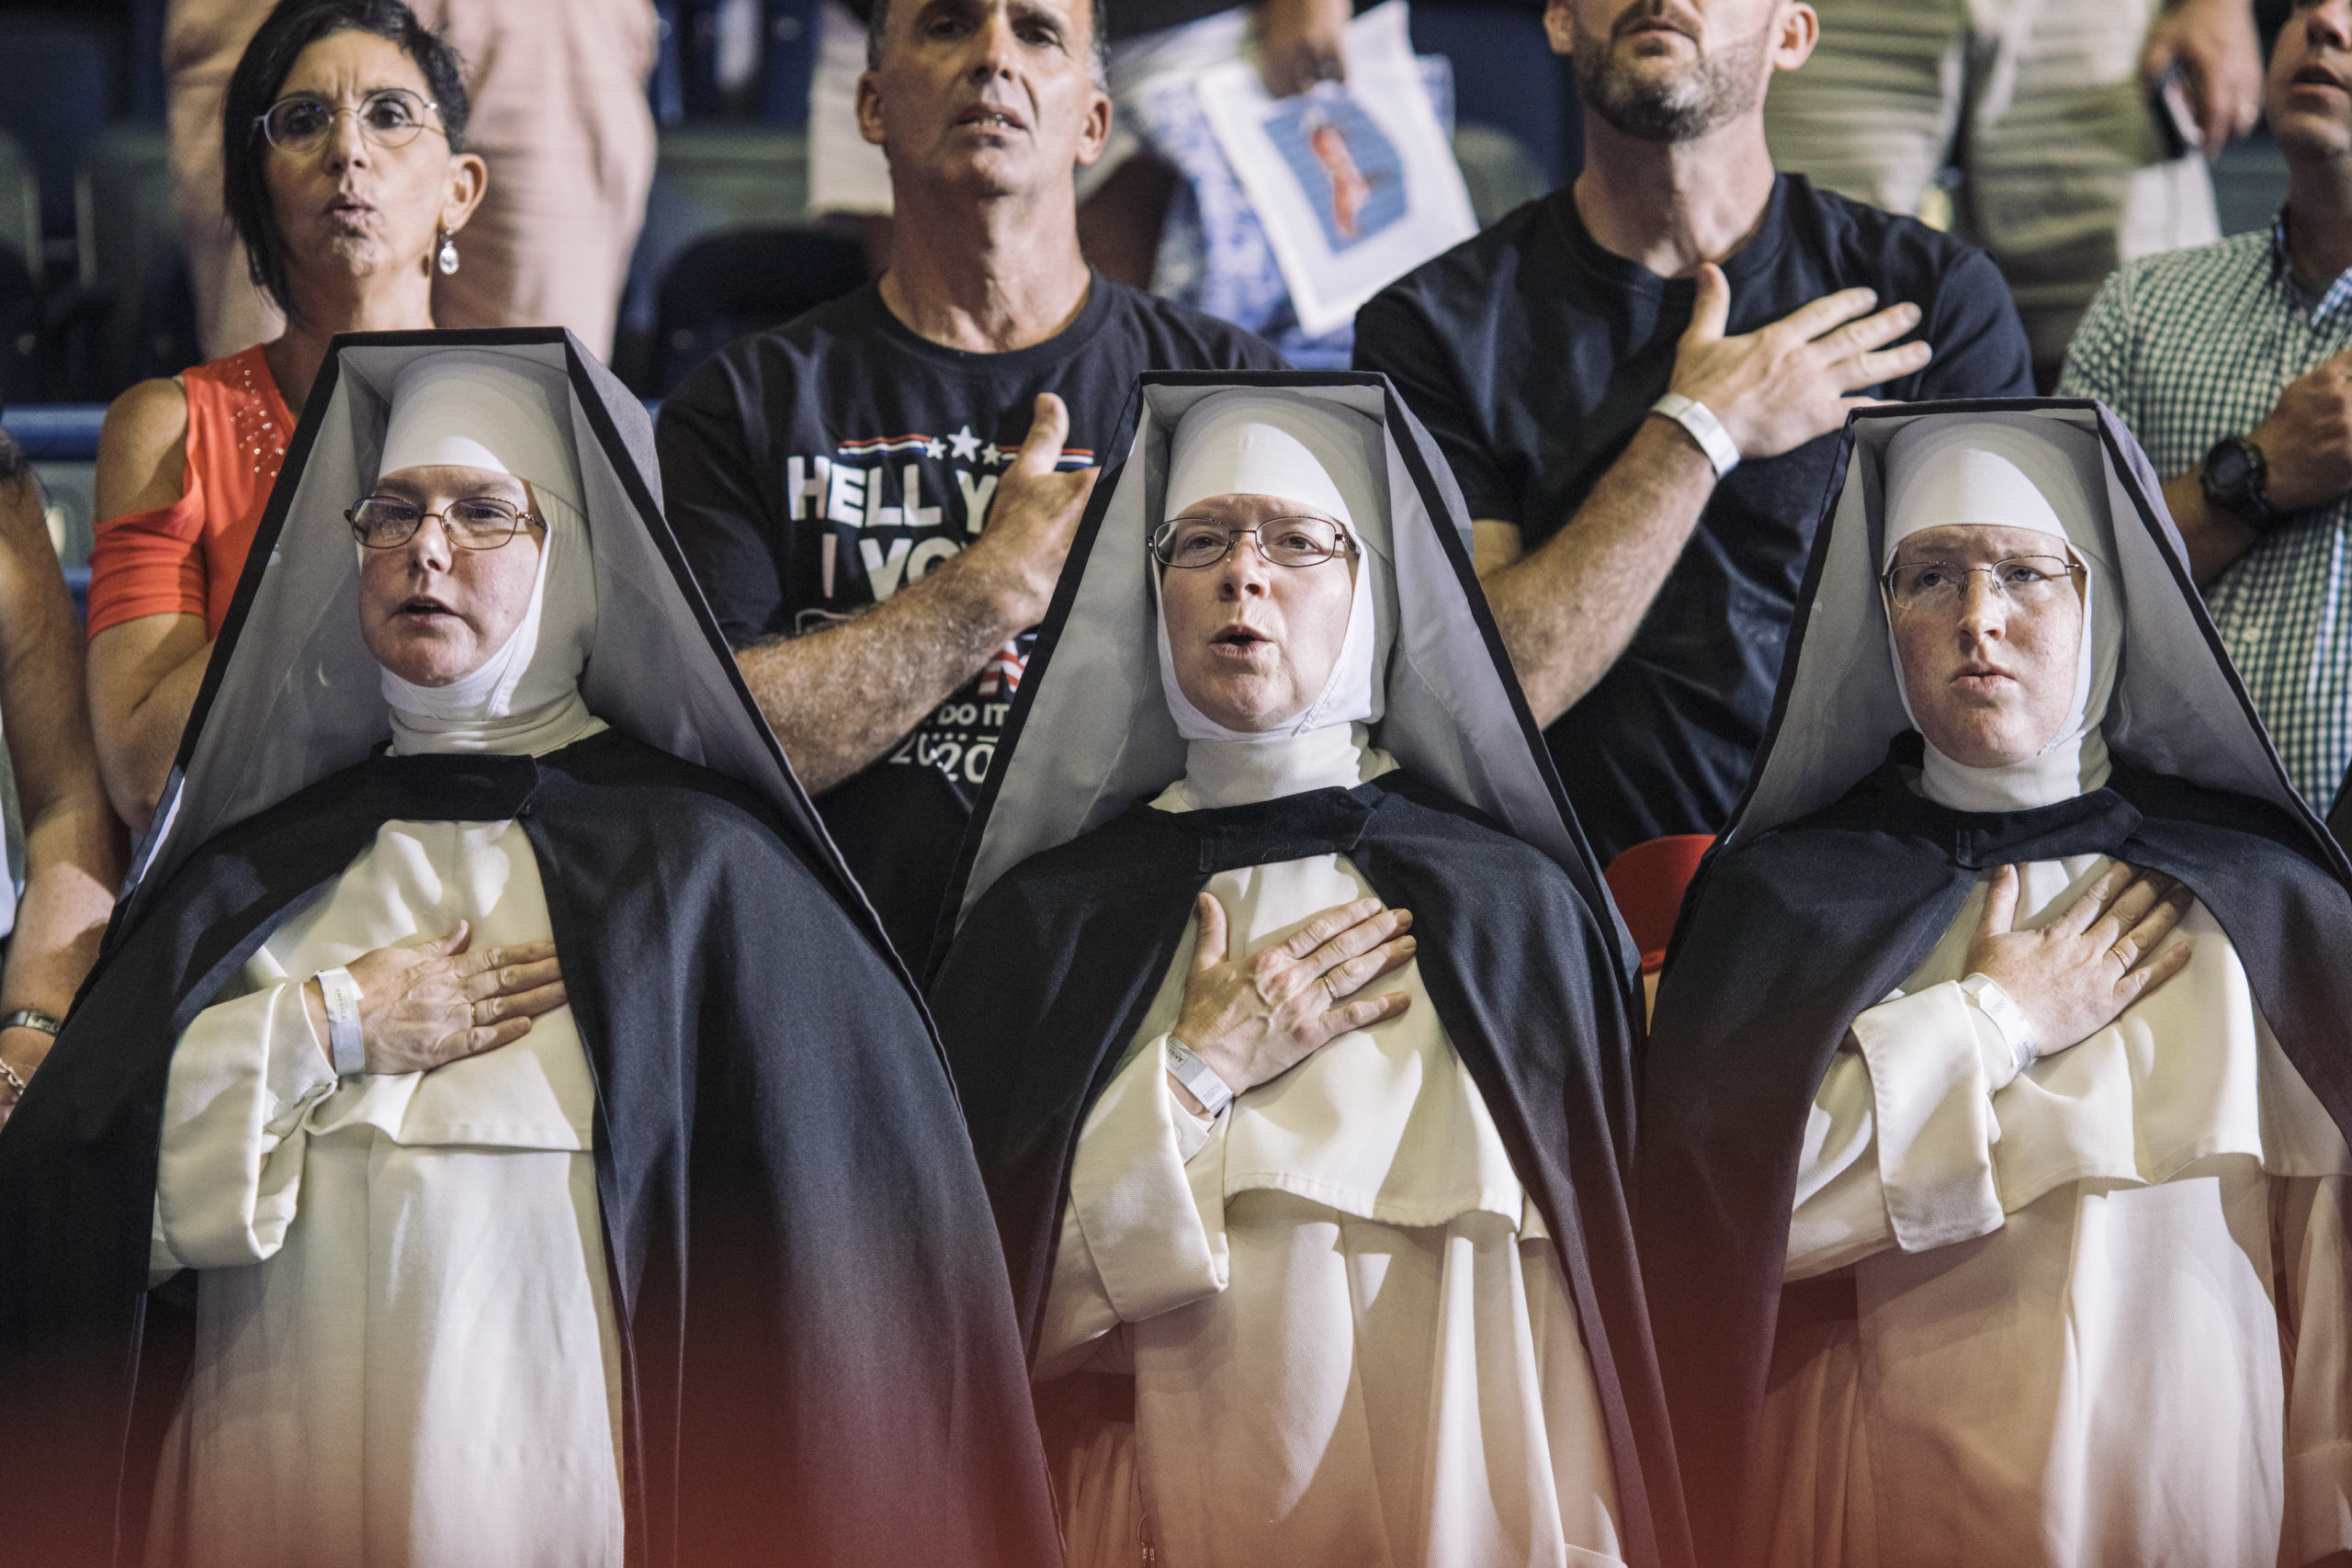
2102 1302
405 1349
1350 1338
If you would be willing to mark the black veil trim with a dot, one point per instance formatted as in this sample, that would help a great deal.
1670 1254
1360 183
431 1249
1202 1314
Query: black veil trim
595 390
1441 498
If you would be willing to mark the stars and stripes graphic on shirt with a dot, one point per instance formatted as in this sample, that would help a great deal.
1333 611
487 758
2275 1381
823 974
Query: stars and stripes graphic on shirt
1000 676
966 447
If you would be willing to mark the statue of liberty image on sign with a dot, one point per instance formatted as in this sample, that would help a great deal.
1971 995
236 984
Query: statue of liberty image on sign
1349 173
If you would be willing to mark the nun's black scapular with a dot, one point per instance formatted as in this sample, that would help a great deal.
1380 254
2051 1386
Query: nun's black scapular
1835 880
819 1362
1073 897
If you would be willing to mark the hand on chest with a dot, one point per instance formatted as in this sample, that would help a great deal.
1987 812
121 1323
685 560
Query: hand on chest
417 880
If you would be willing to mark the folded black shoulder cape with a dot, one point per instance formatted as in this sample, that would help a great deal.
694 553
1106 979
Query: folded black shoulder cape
1051 974
819 1360
1786 939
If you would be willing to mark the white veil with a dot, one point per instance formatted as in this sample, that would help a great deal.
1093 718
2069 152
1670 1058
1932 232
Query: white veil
292 693
1092 732
2178 707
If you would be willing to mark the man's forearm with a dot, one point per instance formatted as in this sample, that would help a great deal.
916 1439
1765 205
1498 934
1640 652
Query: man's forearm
2214 538
840 698
74 861
1568 610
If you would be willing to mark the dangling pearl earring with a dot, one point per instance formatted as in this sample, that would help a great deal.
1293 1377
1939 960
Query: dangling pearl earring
447 259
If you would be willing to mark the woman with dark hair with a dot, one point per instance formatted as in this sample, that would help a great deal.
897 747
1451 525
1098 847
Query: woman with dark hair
347 178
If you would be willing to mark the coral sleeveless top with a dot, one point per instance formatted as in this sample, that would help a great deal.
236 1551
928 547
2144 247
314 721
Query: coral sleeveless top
184 558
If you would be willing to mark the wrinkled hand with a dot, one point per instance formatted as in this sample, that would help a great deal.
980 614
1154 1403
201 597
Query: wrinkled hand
24 1049
1256 1018
2307 441
1779 387
2075 976
1300 44
2215 45
1034 516
429 1002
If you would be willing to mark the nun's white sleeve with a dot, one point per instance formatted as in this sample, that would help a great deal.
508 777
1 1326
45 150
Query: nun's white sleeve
1899 1147
1144 1230
244 1075
2316 1266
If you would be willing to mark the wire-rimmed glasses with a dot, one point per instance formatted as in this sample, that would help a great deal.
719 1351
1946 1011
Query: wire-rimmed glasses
2028 582
1191 544
477 523
388 117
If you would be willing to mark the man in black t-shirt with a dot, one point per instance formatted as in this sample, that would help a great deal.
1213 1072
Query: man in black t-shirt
876 497
1643 561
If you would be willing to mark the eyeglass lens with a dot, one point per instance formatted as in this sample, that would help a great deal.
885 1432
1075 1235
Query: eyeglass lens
480 523
2027 581
1196 542
388 117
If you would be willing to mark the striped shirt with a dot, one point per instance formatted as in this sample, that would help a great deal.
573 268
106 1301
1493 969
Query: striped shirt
2192 345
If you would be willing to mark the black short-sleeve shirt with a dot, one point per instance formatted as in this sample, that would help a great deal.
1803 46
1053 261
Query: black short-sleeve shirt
812 470
1533 354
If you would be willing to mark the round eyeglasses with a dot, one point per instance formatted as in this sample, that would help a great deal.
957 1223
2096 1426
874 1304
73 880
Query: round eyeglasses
1191 544
479 522
389 117
2027 582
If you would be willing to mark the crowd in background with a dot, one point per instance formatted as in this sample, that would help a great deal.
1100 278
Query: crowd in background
1744 242
1637 391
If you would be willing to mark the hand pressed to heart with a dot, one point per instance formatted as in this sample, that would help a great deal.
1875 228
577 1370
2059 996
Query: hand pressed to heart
1255 1018
429 1001
2076 974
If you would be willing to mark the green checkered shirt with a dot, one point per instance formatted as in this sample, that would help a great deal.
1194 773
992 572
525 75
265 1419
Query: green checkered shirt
2192 345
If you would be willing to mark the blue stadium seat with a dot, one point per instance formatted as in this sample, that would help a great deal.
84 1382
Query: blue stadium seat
127 233
58 86
707 177
741 280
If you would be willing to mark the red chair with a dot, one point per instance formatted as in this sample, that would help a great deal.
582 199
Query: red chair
1648 881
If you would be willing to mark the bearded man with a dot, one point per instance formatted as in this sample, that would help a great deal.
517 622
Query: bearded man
1598 364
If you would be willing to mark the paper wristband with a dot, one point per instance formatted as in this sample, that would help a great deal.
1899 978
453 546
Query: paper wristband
341 993
1214 1093
1704 427
2007 1017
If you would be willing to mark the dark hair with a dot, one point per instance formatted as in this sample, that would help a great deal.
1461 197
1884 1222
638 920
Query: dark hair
1098 47
293 26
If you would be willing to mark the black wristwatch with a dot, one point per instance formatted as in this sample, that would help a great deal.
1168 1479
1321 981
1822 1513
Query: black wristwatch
2234 479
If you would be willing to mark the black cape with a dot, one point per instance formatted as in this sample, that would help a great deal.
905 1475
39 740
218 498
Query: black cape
1833 880
1802 929
1059 959
818 1364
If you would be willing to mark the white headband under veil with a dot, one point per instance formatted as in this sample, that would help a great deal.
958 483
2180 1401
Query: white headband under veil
481 409
2027 471
1275 443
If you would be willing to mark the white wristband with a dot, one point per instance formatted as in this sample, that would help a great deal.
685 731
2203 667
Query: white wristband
1214 1093
341 994
2007 1017
1704 427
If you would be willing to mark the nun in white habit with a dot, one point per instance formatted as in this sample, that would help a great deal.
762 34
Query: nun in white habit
479 1276
405 1349
1306 1305
2064 1279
